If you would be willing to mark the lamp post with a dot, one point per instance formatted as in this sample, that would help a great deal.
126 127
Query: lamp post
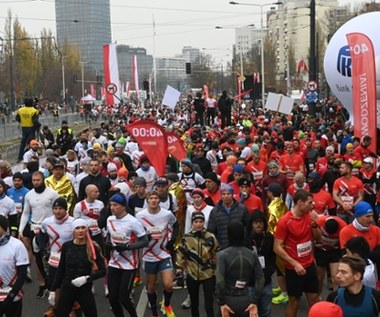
261 6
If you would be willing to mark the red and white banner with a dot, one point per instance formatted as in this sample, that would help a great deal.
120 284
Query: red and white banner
153 141
205 91
363 86
136 75
176 146
111 74
302 67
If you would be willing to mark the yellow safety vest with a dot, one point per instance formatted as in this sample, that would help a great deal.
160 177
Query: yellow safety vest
26 116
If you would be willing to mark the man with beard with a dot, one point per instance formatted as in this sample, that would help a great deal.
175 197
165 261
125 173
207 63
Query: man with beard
363 149
291 163
38 206
258 168
212 192
348 191
112 173
95 177
99 138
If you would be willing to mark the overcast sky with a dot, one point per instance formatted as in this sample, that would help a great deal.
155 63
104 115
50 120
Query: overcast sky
178 23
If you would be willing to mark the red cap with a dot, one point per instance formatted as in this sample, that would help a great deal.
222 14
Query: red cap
325 309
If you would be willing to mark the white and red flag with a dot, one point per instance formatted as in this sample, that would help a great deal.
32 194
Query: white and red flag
302 67
111 74
136 75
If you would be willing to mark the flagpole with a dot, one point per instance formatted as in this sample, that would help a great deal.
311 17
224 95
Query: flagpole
154 58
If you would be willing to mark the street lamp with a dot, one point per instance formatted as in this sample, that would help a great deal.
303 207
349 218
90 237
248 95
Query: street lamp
261 6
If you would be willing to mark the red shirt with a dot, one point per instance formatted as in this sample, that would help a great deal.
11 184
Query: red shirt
252 203
258 172
329 241
215 197
322 201
291 162
372 235
348 189
296 234
236 188
363 152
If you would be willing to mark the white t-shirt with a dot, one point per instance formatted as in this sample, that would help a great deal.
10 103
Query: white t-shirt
150 177
89 212
7 207
12 254
190 210
124 230
160 227
58 234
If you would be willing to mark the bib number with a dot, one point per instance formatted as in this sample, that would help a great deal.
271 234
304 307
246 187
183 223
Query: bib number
304 249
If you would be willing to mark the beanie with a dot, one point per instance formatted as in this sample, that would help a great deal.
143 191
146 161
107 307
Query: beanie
111 167
212 177
3 222
60 202
186 162
276 189
362 208
119 198
325 309
238 168
79 222
241 141
199 192
197 215
243 181
226 187
139 181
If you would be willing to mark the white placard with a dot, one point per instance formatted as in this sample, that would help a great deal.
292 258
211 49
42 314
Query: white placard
279 103
171 97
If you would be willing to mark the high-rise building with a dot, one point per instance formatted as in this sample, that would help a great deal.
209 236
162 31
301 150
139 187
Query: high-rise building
86 24
191 54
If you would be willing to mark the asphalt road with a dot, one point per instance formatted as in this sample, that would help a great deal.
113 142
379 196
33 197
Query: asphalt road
33 307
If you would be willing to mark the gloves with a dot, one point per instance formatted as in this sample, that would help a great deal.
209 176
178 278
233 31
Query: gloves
51 298
80 281
120 247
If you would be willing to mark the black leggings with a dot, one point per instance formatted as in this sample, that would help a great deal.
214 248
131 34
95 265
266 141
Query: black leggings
120 284
82 295
208 292
13 310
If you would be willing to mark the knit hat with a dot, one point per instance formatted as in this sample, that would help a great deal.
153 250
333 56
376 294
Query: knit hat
330 149
226 187
212 177
349 145
79 222
272 164
186 162
3 222
197 215
325 309
238 168
313 175
241 141
199 192
172 177
243 181
122 173
139 181
118 144
111 167
362 208
276 189
235 231
119 198
60 202
255 149
122 141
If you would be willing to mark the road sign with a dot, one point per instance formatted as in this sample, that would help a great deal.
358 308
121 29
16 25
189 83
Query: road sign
111 88
312 85
242 78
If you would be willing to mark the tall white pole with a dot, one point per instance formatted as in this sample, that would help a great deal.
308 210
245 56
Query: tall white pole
154 58
241 68
262 60
63 80
82 79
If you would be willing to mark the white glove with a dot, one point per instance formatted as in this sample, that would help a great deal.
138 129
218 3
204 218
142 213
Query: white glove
51 298
79 281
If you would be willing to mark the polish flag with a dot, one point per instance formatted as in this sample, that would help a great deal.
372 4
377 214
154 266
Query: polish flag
92 90
111 74
302 67
127 88
136 76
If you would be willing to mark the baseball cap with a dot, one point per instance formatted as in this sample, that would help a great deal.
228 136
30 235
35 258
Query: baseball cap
368 160
161 181
275 189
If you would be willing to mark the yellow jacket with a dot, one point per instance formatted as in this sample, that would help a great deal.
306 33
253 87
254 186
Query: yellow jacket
276 209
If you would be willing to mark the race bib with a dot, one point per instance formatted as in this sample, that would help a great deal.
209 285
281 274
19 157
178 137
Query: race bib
304 249
54 258
93 225
240 284
155 232
118 237
262 262
4 291
347 199
257 175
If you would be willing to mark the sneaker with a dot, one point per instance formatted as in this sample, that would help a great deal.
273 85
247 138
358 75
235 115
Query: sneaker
167 310
42 291
276 291
179 283
280 299
186 304
137 281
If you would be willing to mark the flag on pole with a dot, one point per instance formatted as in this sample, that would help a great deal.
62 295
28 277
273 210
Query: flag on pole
111 74
302 67
136 76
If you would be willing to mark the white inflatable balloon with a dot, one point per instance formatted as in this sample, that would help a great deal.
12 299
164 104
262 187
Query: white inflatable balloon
337 61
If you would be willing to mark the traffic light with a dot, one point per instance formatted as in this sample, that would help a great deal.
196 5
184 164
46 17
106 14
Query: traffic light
188 68
146 85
